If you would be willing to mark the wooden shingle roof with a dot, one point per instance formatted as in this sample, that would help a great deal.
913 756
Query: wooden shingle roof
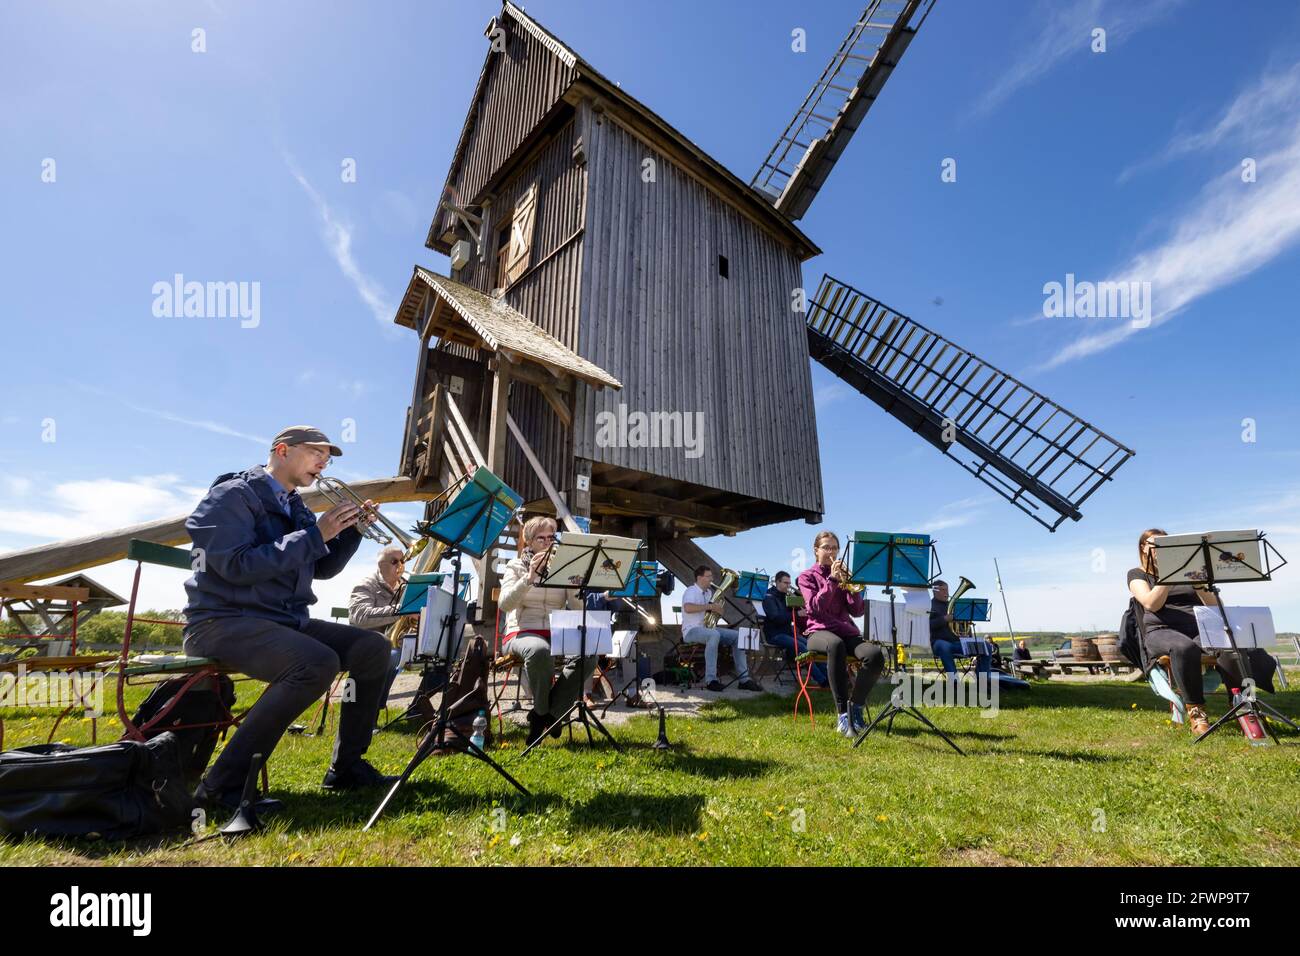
463 314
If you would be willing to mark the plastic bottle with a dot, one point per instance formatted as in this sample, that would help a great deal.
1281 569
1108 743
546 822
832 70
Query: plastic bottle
479 736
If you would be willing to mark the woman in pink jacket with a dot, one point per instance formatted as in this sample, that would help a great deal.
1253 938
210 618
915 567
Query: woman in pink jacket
831 631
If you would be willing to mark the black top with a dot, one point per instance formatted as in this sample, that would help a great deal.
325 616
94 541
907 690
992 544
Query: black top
939 629
1177 612
776 616
1022 654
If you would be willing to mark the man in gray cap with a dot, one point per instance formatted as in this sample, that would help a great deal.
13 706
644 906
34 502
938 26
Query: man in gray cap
257 549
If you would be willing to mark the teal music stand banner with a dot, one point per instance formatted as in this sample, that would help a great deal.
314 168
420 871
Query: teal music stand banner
971 609
642 582
752 586
891 560
475 518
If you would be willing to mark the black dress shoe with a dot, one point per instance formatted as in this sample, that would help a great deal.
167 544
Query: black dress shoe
713 685
229 800
750 685
358 776
536 728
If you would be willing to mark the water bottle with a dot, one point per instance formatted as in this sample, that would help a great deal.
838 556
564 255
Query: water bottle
479 737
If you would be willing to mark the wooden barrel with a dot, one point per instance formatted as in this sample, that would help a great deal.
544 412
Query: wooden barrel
1084 649
1108 646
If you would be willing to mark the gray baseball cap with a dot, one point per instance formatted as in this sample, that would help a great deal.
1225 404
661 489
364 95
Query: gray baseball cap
306 435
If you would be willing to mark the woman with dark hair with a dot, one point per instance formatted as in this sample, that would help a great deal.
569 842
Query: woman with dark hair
831 608
1169 622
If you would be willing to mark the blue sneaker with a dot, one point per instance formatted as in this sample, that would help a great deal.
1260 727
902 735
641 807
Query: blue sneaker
844 728
855 715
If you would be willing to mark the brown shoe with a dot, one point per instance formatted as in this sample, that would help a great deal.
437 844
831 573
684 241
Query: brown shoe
1197 722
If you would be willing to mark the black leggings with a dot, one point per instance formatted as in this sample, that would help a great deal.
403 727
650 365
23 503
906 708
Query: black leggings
837 649
1185 662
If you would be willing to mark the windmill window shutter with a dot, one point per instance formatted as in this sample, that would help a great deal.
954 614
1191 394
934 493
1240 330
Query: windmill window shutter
519 254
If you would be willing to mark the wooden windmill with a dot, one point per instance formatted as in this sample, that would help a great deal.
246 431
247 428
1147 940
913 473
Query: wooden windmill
604 268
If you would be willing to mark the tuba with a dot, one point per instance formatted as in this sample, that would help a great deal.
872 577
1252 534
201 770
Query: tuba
728 579
964 584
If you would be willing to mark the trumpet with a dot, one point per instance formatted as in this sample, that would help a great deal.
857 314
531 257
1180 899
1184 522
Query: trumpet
338 493
853 587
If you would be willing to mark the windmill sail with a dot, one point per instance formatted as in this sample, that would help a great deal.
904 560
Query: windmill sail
1039 456
802 158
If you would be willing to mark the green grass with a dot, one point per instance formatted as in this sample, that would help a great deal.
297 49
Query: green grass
740 776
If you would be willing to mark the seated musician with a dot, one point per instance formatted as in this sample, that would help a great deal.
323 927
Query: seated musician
778 627
528 629
1169 622
943 642
374 604
831 631
696 603
260 549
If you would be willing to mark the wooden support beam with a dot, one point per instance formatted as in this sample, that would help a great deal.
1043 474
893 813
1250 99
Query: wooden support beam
561 509
467 436
557 403
43 592
77 554
644 504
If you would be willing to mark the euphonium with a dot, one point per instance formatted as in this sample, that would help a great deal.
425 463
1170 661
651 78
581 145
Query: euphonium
728 579
336 492
964 584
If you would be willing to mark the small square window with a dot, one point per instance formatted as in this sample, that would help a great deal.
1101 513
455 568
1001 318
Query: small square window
724 268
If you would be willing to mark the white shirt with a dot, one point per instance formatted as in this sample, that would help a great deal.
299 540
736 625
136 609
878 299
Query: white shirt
694 595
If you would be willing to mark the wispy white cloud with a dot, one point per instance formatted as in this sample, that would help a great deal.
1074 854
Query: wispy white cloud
337 236
1067 33
830 393
954 514
1231 229
1250 118
207 425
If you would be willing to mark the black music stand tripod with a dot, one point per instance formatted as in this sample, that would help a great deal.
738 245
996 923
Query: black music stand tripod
436 738
1246 704
579 712
893 709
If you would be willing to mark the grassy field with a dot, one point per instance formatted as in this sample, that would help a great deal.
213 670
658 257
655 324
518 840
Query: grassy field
1064 774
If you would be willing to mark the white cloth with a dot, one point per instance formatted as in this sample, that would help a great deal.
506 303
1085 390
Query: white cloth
694 595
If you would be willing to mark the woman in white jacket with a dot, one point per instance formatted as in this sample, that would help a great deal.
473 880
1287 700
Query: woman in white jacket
528 629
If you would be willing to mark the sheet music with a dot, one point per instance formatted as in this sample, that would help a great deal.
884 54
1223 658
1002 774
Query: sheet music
623 644
749 638
1251 626
566 635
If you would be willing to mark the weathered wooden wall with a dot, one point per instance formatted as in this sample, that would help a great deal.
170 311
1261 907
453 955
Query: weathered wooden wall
519 86
548 292
657 315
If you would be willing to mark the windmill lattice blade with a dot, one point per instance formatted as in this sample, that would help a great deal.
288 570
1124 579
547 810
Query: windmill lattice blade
1039 456
803 157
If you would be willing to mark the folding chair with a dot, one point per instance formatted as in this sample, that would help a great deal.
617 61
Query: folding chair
690 657
1159 673
804 674
196 671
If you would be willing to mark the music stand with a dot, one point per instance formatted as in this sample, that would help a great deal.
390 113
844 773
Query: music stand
643 582
1236 556
889 561
585 561
470 524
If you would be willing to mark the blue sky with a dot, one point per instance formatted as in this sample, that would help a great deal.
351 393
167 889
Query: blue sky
225 165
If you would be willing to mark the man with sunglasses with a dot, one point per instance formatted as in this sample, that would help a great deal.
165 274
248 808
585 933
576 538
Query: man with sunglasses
375 603
257 549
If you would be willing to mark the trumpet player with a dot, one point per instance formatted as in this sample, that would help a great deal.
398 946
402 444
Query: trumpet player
698 601
528 629
831 607
257 550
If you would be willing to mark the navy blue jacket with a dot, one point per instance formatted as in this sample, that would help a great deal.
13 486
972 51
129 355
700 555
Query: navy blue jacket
257 561
776 616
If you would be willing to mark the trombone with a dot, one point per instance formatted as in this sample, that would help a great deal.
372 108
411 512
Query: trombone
338 493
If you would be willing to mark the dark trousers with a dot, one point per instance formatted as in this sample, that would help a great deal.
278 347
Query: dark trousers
837 649
298 666
1185 662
